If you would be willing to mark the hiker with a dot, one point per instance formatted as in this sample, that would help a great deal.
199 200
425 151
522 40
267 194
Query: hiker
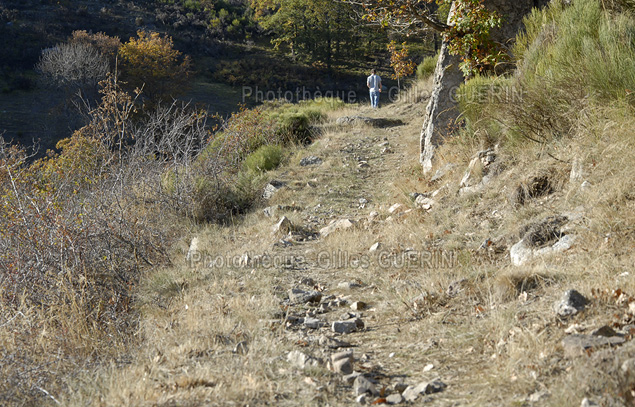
374 84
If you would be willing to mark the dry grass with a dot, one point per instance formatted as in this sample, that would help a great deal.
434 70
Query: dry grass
217 335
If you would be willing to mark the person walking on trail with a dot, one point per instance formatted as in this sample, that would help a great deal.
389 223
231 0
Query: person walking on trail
374 84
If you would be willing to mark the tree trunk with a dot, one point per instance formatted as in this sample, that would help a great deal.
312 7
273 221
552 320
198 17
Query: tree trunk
442 110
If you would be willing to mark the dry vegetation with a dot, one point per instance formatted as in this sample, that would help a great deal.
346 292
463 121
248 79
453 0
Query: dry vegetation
220 335
215 330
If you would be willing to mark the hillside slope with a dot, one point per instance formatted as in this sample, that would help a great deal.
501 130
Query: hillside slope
419 291
503 278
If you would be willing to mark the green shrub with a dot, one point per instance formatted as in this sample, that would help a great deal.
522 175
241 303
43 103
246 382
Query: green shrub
580 49
295 122
480 99
295 127
241 134
426 68
570 59
443 11
247 189
266 158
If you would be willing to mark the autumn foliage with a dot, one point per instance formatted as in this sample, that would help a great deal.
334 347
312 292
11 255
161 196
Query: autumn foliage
399 61
151 62
468 28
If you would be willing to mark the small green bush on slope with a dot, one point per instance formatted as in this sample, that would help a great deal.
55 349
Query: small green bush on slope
295 121
426 68
266 158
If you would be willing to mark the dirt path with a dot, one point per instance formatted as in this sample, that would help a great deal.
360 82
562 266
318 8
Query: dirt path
341 290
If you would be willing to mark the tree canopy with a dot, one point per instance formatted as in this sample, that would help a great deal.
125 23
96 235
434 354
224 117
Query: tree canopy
320 31
467 29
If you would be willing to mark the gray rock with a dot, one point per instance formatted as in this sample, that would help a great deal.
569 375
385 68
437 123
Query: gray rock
442 110
284 226
342 362
394 399
332 342
563 244
307 281
313 323
348 285
375 247
605 331
435 386
442 172
410 394
577 344
310 160
424 202
341 224
302 360
520 253
540 239
358 306
570 304
588 403
362 385
343 366
271 188
344 327
347 354
362 399
297 295
350 378
348 315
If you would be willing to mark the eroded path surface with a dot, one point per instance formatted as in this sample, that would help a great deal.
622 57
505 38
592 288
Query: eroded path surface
358 281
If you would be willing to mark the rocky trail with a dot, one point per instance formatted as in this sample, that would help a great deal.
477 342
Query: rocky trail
330 314
359 282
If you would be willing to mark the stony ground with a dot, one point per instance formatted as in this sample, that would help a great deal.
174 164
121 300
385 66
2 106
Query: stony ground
359 281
